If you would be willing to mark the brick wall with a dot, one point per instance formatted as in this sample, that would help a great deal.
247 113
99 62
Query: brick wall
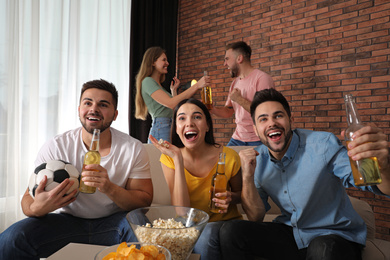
316 51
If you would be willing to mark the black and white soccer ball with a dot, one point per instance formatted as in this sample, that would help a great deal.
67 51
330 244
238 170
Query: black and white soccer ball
56 171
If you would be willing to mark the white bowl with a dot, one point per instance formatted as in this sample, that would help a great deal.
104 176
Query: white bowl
179 241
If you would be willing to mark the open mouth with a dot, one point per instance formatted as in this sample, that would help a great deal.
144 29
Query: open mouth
275 135
190 135
94 119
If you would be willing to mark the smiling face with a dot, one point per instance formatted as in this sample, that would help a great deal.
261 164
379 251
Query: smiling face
231 62
191 125
273 127
161 64
96 110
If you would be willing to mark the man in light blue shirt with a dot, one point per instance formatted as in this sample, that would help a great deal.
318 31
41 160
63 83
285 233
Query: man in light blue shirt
305 173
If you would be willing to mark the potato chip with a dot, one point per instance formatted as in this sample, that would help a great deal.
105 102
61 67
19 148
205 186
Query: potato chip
123 249
136 256
110 256
124 252
160 257
152 250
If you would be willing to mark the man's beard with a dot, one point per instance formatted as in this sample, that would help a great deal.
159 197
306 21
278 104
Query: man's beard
286 142
234 71
102 128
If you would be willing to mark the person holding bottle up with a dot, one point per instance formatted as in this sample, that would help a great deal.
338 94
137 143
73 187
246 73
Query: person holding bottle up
365 171
305 173
206 95
152 98
122 181
189 164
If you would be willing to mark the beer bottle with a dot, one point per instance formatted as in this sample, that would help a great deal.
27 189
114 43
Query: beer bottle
91 157
218 183
365 171
207 98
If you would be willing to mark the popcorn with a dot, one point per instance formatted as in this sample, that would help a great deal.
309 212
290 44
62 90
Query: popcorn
161 142
162 232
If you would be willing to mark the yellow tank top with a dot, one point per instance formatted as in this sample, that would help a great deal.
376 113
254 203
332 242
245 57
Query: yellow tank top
199 188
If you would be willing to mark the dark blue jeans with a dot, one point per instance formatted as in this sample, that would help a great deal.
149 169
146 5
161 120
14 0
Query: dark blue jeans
208 243
34 238
161 129
242 239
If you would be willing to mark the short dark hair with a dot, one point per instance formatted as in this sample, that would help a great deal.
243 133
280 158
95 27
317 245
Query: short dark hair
242 48
268 95
209 138
103 85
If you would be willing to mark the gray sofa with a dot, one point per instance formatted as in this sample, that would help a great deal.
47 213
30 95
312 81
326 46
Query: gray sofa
376 249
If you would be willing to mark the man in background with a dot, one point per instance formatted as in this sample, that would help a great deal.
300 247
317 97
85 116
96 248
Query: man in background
247 82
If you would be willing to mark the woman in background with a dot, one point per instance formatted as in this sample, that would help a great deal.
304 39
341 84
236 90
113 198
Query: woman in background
193 145
153 98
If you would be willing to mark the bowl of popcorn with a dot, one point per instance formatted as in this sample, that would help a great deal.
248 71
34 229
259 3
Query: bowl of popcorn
134 250
175 228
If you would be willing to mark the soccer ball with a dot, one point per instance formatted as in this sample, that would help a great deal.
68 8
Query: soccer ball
56 171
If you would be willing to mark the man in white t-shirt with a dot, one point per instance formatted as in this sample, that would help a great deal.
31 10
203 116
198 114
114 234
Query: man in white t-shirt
122 181
247 82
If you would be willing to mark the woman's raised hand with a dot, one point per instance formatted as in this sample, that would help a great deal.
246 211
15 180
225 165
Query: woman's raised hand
174 86
204 81
165 147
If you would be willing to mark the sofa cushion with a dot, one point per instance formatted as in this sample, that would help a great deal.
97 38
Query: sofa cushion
366 213
376 249
161 194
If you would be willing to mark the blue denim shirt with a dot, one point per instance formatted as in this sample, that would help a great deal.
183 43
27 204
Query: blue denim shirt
308 185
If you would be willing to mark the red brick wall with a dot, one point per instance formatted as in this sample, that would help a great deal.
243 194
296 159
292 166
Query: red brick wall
316 51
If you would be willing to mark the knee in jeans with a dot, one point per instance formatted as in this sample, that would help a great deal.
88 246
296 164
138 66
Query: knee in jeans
229 228
333 247
322 242
321 248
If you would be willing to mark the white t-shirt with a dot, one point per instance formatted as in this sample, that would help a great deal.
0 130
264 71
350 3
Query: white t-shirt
127 159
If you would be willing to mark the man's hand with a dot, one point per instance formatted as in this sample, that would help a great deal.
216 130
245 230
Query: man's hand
370 142
248 163
48 201
96 176
235 95
251 201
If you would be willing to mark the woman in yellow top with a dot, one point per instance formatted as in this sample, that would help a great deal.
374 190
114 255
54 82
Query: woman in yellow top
189 164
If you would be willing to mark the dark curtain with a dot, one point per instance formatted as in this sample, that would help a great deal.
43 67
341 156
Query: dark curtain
153 23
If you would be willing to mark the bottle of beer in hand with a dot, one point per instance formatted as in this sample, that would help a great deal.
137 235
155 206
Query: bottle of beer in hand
218 183
91 157
207 98
365 171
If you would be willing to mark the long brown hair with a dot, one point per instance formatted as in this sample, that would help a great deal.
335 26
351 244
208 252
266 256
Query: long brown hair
209 138
146 69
